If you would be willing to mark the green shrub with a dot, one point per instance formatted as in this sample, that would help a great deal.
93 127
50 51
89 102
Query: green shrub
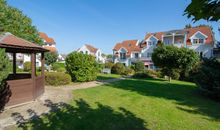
118 68
128 71
173 73
142 75
81 67
153 73
208 78
99 67
27 66
109 65
57 78
138 66
5 67
59 67
61 70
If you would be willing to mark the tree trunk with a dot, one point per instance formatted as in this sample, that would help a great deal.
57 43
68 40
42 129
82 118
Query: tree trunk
170 78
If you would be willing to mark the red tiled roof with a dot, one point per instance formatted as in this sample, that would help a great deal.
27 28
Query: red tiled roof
51 49
46 38
129 45
205 30
158 35
91 48
190 32
9 40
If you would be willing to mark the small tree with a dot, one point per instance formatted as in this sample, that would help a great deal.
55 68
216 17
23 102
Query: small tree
81 67
138 66
51 57
4 67
172 59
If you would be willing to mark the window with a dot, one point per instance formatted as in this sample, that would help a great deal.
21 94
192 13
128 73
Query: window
122 55
201 40
136 55
149 54
150 43
86 52
196 41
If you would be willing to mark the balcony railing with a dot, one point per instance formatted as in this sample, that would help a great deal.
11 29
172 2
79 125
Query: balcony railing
140 58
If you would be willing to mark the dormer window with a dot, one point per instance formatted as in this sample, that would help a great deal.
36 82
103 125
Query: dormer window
198 41
198 38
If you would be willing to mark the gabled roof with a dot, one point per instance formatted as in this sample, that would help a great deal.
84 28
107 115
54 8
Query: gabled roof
8 40
205 30
189 31
129 45
158 35
91 48
46 38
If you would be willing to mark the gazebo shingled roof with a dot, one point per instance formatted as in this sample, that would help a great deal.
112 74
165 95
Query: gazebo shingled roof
13 43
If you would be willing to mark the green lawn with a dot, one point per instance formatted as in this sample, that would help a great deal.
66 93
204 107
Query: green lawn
134 104
107 76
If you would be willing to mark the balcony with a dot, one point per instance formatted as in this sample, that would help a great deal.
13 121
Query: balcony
141 58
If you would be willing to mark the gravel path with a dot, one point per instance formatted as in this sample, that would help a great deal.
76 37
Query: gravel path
53 94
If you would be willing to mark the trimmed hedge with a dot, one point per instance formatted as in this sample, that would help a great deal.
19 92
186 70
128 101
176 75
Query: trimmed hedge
57 78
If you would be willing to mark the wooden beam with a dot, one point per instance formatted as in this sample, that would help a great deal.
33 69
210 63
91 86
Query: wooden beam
14 63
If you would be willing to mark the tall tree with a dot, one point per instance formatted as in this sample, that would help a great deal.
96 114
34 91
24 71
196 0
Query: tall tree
203 9
14 21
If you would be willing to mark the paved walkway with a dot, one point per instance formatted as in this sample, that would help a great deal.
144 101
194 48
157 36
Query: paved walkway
53 94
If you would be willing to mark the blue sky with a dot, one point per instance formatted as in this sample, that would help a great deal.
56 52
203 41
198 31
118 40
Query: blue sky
103 23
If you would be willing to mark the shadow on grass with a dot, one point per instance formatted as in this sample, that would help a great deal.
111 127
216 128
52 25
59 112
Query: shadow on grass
63 116
183 94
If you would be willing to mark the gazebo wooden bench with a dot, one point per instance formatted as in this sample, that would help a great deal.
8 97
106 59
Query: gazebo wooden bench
23 87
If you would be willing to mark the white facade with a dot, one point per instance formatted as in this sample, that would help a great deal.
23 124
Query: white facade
198 44
22 58
94 52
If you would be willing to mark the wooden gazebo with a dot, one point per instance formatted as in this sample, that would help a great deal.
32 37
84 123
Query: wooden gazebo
24 87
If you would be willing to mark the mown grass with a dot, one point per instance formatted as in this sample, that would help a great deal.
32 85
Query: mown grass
133 104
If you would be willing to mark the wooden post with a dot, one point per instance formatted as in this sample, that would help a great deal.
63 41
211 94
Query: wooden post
42 63
33 65
33 73
14 63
